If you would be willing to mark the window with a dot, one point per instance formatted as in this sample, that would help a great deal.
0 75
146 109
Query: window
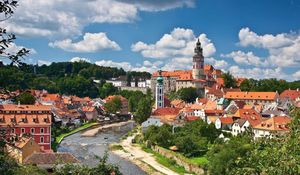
32 130
42 130
22 130
42 140
12 130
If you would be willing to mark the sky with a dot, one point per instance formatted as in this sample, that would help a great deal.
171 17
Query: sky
249 38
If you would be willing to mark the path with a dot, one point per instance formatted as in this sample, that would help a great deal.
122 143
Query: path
132 152
95 131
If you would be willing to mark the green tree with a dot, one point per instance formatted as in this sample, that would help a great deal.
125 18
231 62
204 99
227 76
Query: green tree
229 80
26 99
107 89
188 95
143 111
114 105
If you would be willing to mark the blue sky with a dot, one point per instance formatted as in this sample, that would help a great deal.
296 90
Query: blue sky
249 38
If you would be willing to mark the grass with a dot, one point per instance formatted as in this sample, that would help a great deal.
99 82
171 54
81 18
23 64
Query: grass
169 163
116 147
201 161
62 136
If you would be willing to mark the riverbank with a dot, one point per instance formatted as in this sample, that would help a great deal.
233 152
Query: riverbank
95 131
144 160
87 149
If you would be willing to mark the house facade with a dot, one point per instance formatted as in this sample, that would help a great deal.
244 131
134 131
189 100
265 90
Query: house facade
34 120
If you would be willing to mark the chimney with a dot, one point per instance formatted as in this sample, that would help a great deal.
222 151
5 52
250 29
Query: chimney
297 89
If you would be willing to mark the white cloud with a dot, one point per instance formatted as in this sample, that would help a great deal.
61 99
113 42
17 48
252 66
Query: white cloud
43 62
67 18
109 63
219 64
268 41
179 43
92 42
296 75
248 58
79 59
259 73
13 49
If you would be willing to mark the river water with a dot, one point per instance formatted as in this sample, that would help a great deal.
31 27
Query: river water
86 149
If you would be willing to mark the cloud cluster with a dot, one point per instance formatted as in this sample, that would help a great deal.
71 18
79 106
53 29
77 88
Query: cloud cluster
79 59
67 18
283 52
179 43
92 42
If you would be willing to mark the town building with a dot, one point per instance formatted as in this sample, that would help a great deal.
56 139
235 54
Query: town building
293 95
22 148
200 76
264 98
34 120
48 161
121 81
273 127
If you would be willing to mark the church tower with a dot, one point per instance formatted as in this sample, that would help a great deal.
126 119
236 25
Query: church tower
159 93
198 62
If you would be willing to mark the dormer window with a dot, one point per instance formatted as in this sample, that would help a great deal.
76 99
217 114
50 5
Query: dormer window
13 120
35 120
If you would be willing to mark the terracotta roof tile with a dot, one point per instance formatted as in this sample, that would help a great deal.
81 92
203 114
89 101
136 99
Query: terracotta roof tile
50 158
277 123
291 94
251 95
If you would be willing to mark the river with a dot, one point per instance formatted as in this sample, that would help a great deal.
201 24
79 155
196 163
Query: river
86 149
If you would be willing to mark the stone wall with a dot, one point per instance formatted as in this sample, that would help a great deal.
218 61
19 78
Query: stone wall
179 160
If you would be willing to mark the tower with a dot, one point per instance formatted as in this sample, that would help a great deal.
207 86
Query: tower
159 93
198 62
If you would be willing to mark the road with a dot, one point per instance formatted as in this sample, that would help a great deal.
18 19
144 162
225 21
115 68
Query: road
136 153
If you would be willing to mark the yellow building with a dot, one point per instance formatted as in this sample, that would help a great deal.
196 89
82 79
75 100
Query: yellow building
22 148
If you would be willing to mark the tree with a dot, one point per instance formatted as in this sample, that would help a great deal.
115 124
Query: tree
143 111
229 80
188 95
7 8
107 89
114 105
26 99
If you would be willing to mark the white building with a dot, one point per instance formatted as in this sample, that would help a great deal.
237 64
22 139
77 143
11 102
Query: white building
150 122
239 126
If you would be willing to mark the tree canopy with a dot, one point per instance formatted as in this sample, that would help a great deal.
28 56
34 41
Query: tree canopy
26 99
229 80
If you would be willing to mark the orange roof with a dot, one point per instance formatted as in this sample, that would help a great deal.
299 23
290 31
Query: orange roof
186 76
175 73
251 95
197 106
88 109
208 67
186 109
178 103
191 118
202 100
25 119
211 105
277 123
51 97
14 107
214 111
249 114
22 141
220 81
166 111
226 120
239 80
291 94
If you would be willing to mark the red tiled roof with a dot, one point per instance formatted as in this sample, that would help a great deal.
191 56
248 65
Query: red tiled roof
226 120
291 94
166 111
251 95
276 123
13 107
175 73
50 158
202 100
249 114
